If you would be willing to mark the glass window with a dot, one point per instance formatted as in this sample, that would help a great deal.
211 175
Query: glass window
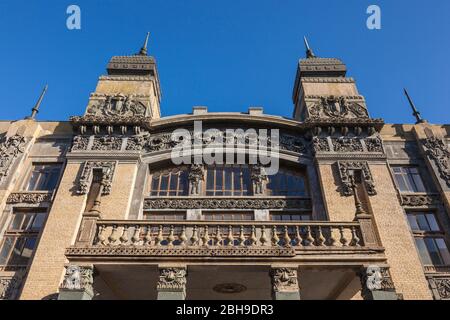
44 177
408 179
228 181
429 238
286 183
279 216
172 182
20 238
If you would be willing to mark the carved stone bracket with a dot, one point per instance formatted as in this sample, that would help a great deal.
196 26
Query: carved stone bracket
440 286
376 279
29 197
228 203
107 168
172 279
9 150
438 151
345 171
78 278
284 279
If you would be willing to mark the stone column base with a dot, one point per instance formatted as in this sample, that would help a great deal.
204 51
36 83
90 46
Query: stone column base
287 295
75 295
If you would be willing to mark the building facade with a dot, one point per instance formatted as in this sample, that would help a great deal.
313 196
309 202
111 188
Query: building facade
96 208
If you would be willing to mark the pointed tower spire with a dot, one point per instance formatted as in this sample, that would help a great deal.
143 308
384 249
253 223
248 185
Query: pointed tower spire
416 113
35 109
143 50
309 52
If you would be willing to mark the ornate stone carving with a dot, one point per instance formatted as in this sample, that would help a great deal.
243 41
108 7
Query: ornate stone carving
320 144
344 144
440 287
292 143
29 197
375 278
107 168
195 177
437 150
137 142
228 203
413 200
107 143
9 150
116 105
172 279
345 171
284 279
80 143
78 278
374 144
259 177
335 107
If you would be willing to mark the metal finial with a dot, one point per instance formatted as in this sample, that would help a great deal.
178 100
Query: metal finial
309 52
143 50
416 113
35 109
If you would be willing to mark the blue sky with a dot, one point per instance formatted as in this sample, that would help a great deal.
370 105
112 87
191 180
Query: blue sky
227 55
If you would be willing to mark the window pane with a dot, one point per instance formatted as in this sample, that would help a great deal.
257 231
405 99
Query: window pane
16 222
422 222
15 258
38 221
445 255
401 183
423 252
419 186
413 222
6 248
432 222
27 222
433 251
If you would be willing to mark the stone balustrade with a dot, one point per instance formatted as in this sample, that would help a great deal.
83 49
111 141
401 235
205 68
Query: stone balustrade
227 234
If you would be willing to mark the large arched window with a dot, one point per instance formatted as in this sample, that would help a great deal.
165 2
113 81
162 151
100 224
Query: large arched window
228 181
287 183
170 182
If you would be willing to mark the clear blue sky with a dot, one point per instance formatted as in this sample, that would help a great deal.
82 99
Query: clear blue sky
227 55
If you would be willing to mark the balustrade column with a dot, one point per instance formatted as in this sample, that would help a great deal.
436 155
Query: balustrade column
172 283
377 284
78 283
285 283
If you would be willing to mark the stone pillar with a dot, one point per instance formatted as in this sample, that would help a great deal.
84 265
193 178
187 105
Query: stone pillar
285 283
172 283
78 283
377 284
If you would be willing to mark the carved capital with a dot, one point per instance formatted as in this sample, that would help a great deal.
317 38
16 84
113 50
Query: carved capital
172 279
284 279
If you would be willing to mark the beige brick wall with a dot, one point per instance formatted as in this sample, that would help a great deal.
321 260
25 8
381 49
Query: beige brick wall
48 264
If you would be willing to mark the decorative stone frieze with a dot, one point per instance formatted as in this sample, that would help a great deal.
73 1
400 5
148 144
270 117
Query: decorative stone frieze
227 203
10 148
336 107
116 105
438 151
344 144
284 279
80 143
374 144
107 168
107 143
345 171
172 279
414 200
78 279
29 197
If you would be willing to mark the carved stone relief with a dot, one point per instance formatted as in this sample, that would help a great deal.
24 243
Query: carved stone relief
116 105
344 144
259 177
107 168
284 280
346 169
195 177
80 143
172 279
375 278
107 143
9 285
78 278
336 107
413 200
440 287
29 197
438 151
9 150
